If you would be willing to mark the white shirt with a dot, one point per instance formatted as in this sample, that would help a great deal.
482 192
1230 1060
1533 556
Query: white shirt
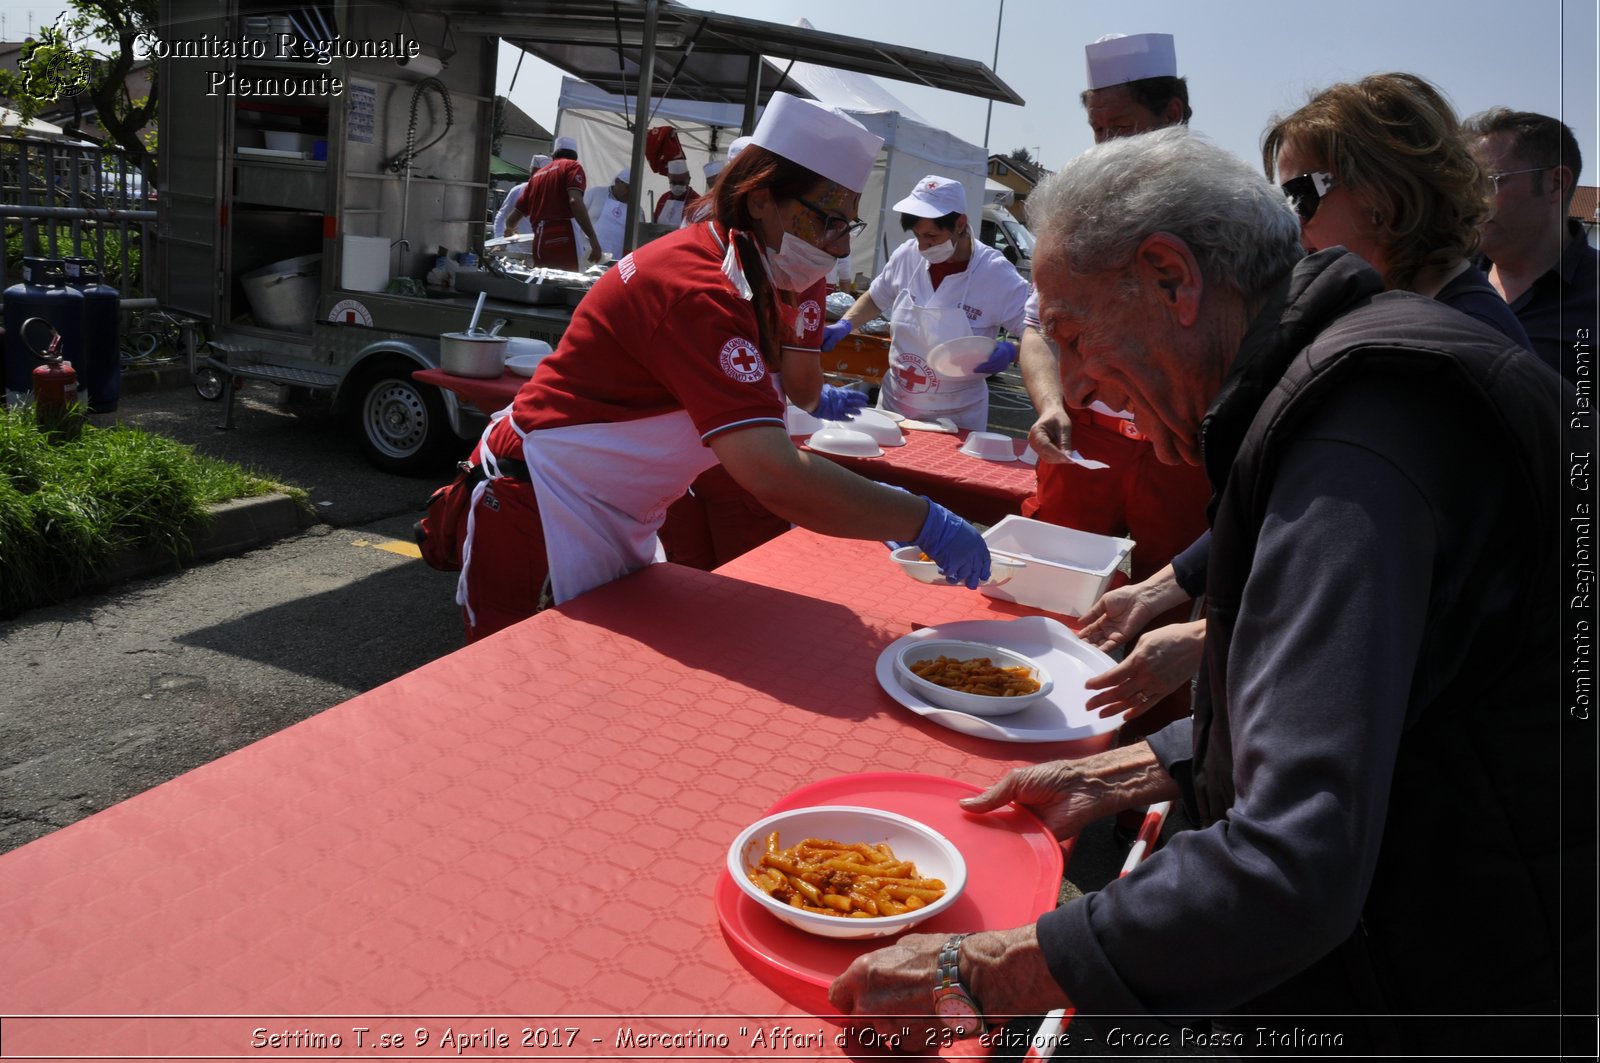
610 217
506 207
990 289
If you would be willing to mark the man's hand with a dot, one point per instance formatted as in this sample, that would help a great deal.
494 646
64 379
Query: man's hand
595 253
1068 795
1162 661
1117 618
1051 436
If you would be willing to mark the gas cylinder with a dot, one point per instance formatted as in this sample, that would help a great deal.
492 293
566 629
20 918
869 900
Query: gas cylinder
43 293
100 358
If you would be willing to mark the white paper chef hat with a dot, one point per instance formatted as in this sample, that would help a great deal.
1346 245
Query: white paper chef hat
566 144
538 162
736 147
1117 60
934 197
677 167
625 175
826 141
711 169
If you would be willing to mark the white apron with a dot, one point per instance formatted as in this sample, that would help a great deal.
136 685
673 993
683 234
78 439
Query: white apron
611 224
911 386
671 212
642 467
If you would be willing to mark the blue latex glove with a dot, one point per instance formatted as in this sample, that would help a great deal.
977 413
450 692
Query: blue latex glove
955 546
838 404
835 332
1005 352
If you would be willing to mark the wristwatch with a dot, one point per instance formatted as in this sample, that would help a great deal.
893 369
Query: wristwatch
952 1004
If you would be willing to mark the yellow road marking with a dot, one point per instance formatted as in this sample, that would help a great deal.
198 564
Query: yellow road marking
394 546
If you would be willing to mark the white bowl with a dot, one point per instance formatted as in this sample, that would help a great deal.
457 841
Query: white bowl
884 431
976 704
845 442
960 357
931 851
798 422
909 558
990 446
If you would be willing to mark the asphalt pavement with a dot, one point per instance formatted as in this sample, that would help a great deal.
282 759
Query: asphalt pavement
111 693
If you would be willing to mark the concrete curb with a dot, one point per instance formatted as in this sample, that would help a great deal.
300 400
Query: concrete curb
236 526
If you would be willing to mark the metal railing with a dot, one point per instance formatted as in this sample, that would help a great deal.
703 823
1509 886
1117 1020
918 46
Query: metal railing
62 199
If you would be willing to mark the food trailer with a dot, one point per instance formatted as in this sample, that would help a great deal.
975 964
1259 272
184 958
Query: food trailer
318 161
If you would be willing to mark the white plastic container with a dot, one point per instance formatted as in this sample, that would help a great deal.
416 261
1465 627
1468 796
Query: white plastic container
1067 569
364 263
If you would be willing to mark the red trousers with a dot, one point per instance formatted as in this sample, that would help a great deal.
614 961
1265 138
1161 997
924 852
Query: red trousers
1161 507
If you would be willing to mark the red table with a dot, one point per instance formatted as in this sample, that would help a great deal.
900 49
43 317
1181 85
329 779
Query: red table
519 838
931 463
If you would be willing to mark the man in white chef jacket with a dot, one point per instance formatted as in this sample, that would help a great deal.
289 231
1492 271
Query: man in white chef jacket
608 209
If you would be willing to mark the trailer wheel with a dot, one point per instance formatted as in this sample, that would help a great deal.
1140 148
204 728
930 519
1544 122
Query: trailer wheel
210 385
404 427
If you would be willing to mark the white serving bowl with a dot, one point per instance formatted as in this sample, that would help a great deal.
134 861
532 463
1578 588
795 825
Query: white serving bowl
931 851
884 431
990 446
798 422
976 704
960 357
909 558
846 442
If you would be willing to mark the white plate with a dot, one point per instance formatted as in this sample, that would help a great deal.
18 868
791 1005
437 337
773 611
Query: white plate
960 357
1059 717
523 364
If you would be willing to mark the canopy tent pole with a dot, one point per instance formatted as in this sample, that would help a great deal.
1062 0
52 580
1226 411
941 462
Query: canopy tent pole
752 92
641 124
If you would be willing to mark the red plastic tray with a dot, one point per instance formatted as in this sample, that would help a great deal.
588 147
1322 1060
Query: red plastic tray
1014 870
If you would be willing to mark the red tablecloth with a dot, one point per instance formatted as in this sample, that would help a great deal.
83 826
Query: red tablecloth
518 839
930 463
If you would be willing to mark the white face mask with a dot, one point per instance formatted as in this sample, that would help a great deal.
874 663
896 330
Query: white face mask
938 252
797 264
678 189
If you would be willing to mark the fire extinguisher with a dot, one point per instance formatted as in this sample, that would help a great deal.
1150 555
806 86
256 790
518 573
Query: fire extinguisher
55 383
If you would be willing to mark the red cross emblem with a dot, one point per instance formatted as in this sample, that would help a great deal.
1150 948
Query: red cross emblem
914 374
742 361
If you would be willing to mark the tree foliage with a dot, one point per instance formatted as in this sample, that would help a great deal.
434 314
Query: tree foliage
88 54
1024 156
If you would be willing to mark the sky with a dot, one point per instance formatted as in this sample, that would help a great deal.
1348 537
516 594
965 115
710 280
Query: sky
1245 60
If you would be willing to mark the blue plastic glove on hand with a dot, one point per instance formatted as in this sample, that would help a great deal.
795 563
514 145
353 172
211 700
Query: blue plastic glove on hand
838 404
835 332
955 546
1005 352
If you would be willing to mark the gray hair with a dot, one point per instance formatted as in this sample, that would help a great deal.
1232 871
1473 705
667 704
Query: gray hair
1099 207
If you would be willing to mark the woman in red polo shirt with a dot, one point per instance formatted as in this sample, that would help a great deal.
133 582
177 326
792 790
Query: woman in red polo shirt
668 369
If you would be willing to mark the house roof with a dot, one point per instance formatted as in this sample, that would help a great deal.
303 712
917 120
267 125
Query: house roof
1030 172
1585 204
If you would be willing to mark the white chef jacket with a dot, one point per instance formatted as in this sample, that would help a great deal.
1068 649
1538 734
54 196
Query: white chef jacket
990 289
610 217
506 207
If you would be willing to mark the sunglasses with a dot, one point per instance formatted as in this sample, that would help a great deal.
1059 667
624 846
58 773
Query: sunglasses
1306 191
833 225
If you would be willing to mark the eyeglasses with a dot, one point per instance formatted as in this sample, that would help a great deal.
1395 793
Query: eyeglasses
1498 177
833 225
1307 191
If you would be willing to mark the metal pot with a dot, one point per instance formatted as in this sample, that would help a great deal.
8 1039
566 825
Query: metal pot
476 354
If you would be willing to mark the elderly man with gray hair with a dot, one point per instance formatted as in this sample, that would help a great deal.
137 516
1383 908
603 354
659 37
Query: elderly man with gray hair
1371 764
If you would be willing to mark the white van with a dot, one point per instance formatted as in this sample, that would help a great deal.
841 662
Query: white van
1003 232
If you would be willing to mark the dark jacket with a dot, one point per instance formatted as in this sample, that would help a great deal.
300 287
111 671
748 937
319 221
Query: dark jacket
1461 914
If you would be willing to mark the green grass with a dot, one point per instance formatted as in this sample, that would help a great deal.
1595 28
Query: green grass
68 506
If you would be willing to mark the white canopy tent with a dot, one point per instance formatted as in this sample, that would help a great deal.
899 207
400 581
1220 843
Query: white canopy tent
912 147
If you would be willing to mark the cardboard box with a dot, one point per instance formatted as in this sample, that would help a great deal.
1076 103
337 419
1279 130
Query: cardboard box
1067 569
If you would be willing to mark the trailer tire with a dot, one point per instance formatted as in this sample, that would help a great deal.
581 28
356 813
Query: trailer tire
403 424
